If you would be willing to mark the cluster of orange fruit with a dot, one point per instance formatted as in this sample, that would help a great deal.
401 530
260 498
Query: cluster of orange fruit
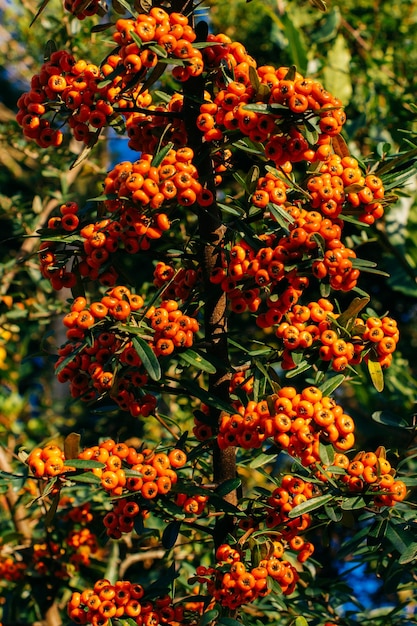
112 356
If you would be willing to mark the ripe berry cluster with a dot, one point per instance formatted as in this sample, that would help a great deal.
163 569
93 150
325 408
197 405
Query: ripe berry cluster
11 569
72 91
296 421
313 329
283 99
232 583
180 283
371 472
47 462
92 369
123 599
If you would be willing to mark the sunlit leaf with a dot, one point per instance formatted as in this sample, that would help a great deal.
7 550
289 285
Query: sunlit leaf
310 505
376 374
147 356
191 357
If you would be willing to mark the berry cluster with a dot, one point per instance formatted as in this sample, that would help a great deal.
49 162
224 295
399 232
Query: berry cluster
296 421
93 369
142 185
146 474
292 491
283 100
11 569
47 462
371 472
123 599
83 543
67 90
180 283
313 329
340 185
232 583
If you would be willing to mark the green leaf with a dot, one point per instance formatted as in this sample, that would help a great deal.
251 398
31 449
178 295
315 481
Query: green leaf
398 537
389 419
329 26
280 215
354 308
228 621
228 486
300 621
191 357
88 478
329 386
297 49
376 374
310 505
147 356
262 459
170 534
160 156
231 209
409 554
84 464
52 509
354 502
326 452
208 618
302 367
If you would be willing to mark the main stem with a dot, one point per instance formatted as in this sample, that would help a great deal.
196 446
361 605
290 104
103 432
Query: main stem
212 232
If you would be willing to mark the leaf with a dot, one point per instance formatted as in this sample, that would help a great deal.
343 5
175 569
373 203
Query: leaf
310 505
389 419
335 515
72 445
262 459
86 151
337 73
302 367
156 74
354 308
228 621
300 621
170 534
280 215
409 554
147 356
340 146
38 12
208 618
376 374
88 478
326 452
228 486
399 538
160 156
297 49
329 27
52 509
328 387
191 357
354 502
85 464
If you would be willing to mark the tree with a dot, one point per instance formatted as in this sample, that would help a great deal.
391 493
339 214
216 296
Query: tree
215 326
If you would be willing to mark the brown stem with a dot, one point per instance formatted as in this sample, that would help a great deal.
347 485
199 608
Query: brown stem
212 232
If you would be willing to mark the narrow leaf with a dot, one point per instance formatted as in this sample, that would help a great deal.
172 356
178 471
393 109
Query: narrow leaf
170 534
328 387
376 374
148 357
191 357
228 486
310 505
72 445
